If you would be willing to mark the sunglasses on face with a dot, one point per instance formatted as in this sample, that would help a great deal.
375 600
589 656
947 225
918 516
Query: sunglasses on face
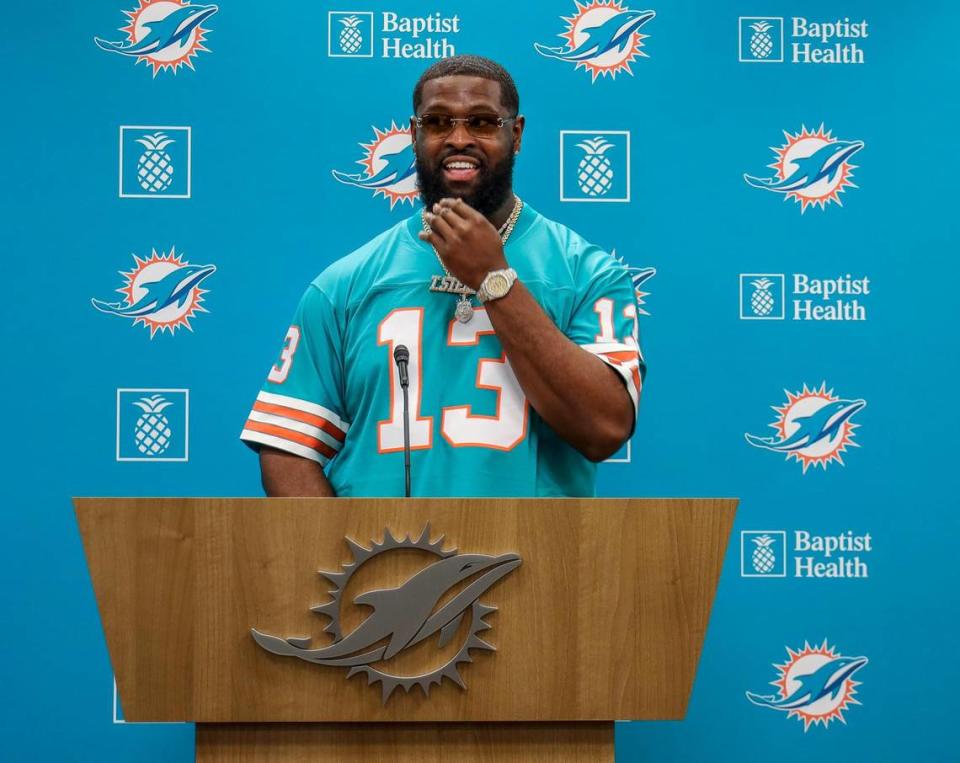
478 125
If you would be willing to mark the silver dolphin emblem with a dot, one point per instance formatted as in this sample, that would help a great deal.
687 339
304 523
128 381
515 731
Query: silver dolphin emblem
405 615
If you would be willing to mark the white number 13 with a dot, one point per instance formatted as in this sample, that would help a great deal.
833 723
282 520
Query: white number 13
459 426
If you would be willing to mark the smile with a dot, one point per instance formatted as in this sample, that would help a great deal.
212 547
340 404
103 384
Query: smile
460 168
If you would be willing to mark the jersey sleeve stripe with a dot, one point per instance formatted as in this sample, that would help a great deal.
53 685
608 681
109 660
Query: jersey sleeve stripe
625 356
271 398
262 438
297 426
625 360
288 434
285 412
604 347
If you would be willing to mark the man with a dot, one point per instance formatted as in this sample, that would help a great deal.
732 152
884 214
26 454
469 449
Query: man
516 390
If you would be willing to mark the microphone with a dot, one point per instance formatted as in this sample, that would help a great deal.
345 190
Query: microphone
401 356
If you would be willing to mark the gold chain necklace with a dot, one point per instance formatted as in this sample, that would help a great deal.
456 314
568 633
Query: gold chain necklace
450 284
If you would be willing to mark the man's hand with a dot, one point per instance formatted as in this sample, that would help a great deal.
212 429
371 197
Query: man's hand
466 241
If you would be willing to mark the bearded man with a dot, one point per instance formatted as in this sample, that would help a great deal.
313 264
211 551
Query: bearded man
524 361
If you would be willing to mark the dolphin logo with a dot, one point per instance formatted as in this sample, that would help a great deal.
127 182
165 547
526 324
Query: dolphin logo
826 681
399 166
174 29
616 33
824 163
639 276
823 424
403 614
174 288
406 615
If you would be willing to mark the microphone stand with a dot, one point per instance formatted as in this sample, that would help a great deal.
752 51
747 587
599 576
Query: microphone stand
402 356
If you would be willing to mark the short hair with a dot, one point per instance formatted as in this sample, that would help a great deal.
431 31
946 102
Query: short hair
471 66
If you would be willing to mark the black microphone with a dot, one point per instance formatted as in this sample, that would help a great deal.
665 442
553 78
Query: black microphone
401 355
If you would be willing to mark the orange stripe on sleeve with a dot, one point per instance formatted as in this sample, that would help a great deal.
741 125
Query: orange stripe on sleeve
306 418
289 434
620 356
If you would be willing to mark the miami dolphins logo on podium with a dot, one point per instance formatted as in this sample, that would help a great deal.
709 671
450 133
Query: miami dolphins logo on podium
162 292
814 427
815 685
389 166
165 34
602 37
441 599
812 168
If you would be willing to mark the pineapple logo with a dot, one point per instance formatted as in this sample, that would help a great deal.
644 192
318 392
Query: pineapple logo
763 558
164 34
152 424
154 167
760 42
594 173
594 165
813 427
762 296
350 37
763 554
350 34
761 301
761 39
602 37
155 162
152 431
815 685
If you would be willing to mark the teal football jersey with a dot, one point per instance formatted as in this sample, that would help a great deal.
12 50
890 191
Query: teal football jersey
334 395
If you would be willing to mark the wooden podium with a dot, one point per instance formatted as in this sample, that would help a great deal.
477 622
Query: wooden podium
602 618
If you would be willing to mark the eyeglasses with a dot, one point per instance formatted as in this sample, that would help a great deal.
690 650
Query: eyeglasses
478 125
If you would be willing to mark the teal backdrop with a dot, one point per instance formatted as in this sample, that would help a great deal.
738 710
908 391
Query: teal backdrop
813 295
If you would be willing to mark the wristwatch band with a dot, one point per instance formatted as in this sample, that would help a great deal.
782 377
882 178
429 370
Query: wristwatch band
496 284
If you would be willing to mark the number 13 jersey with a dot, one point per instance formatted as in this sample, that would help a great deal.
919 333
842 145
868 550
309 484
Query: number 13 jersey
334 394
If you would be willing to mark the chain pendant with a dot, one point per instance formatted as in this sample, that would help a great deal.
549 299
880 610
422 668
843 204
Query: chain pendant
464 311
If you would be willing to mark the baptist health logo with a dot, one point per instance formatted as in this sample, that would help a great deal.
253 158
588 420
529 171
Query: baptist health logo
813 168
389 166
153 424
164 34
350 34
765 554
811 42
813 427
155 162
595 165
763 297
602 37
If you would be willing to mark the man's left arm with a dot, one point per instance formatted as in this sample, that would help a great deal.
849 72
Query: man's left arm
580 396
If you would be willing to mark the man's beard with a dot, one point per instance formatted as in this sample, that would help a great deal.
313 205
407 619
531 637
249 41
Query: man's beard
491 191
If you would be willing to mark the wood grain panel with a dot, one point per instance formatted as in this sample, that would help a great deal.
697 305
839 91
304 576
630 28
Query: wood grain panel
604 620
405 743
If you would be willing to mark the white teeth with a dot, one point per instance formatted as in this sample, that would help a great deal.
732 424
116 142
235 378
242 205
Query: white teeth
460 166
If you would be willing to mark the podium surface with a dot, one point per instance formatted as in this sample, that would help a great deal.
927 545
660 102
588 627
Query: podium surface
601 618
